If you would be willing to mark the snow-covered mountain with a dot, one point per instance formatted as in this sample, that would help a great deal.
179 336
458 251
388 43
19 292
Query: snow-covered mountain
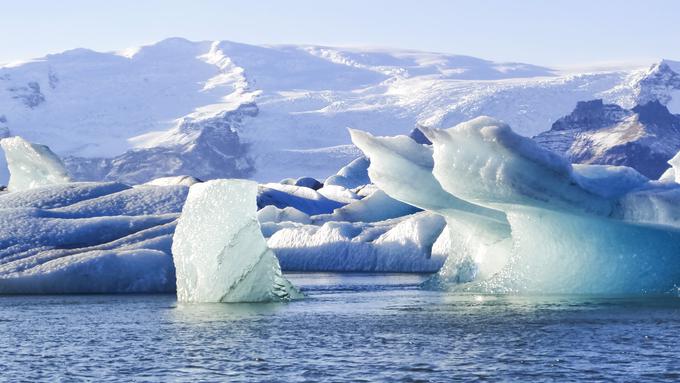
224 109
644 137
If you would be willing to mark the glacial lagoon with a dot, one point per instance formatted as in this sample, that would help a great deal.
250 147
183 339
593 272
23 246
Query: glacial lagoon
351 327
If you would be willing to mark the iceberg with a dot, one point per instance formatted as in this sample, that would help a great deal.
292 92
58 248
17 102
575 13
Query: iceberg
375 207
273 214
404 244
174 180
306 200
219 252
88 237
31 165
308 182
351 175
402 168
523 220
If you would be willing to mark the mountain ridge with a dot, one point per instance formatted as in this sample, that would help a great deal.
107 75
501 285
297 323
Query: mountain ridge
93 106
644 137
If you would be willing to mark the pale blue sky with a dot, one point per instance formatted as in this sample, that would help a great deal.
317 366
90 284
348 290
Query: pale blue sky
550 32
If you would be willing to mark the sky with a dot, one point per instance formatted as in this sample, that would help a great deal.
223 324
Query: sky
559 33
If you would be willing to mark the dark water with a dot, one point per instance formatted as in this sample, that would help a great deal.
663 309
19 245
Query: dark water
351 328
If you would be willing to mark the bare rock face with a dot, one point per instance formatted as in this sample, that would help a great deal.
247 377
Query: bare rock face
644 137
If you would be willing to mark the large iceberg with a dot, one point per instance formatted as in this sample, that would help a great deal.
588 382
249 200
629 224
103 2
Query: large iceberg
219 252
31 165
522 219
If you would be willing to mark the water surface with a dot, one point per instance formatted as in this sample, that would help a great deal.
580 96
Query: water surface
352 327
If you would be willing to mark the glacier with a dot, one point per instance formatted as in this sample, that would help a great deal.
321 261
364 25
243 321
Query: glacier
219 252
31 165
524 220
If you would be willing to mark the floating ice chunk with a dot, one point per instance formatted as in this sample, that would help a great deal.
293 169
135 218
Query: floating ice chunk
378 206
398 245
287 214
338 193
98 271
673 170
176 180
306 200
351 175
608 180
554 213
308 182
219 252
31 165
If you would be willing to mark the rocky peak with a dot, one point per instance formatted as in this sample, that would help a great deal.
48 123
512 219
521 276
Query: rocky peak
644 137
591 115
658 83
653 112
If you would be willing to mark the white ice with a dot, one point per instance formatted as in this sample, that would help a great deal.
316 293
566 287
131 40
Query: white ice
219 252
31 165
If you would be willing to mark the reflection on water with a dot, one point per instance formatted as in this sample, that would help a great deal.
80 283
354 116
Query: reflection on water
351 327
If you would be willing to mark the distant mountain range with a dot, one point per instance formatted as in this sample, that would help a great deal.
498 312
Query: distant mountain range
644 137
224 109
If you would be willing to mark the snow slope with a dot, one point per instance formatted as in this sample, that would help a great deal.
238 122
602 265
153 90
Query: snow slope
216 109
